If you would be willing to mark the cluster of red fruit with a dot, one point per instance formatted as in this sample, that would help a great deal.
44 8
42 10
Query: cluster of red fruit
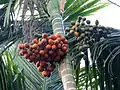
45 52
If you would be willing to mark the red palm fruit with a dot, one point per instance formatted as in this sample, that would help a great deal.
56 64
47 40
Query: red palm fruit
44 35
62 38
42 52
50 52
49 37
35 41
64 49
65 45
65 41
46 51
29 51
37 63
46 73
59 39
30 48
59 45
37 56
53 37
32 57
36 51
51 67
40 68
58 35
26 55
57 58
50 41
21 46
61 53
54 47
46 55
33 50
21 53
48 47
61 42
56 42
43 63
24 51
27 45
35 46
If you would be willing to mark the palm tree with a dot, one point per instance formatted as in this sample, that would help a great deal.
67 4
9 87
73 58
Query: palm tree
58 27
57 23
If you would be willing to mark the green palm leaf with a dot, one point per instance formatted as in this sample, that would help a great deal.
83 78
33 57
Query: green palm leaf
82 6
4 1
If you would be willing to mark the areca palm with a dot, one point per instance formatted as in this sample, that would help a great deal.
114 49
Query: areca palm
43 14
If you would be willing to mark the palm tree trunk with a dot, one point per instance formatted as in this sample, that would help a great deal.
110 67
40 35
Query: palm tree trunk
58 27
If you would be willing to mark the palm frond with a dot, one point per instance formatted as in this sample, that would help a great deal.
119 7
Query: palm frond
81 8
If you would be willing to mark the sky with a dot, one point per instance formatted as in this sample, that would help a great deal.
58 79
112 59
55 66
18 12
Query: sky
108 16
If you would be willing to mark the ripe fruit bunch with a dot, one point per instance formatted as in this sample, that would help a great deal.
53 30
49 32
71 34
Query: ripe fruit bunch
45 52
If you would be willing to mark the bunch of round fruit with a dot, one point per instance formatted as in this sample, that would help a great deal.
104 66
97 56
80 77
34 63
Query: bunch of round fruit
45 52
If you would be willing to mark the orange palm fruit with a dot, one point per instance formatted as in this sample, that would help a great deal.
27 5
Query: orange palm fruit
35 46
35 41
42 52
46 73
50 41
54 47
53 37
58 35
48 46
